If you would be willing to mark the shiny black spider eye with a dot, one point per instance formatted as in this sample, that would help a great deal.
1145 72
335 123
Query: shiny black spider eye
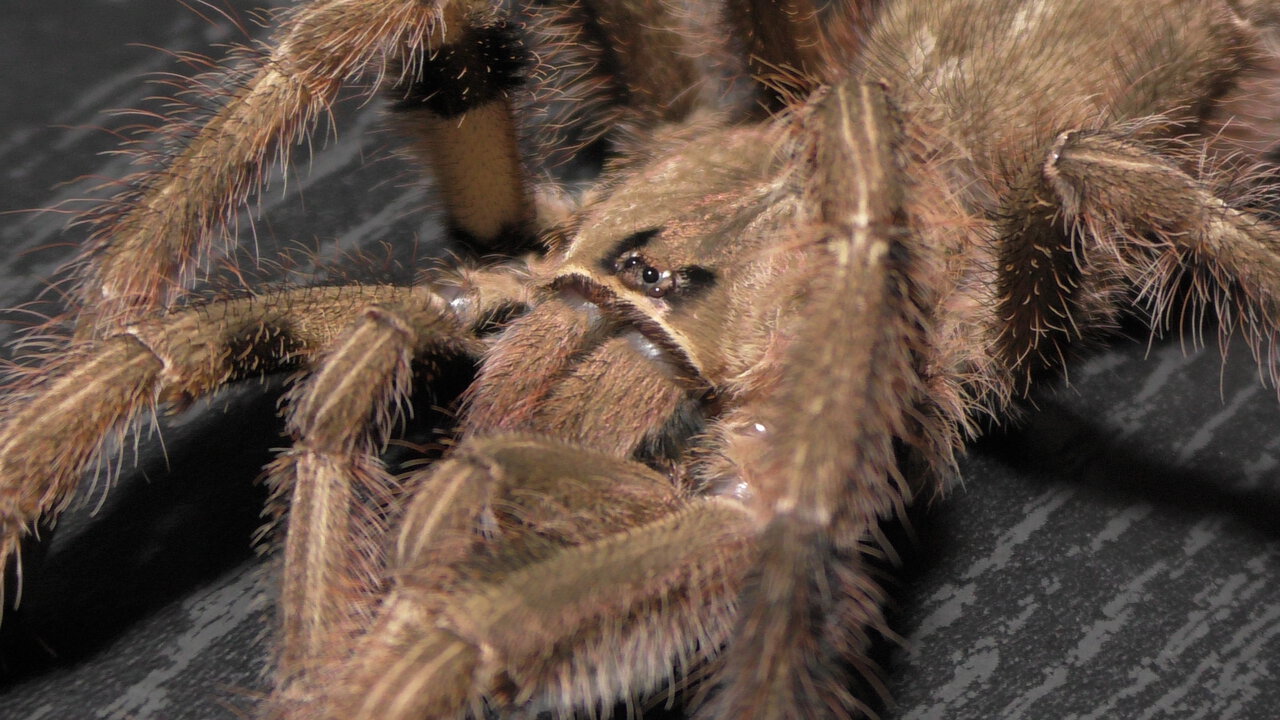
650 275
631 262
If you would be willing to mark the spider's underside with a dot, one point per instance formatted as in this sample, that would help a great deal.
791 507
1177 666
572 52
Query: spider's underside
807 222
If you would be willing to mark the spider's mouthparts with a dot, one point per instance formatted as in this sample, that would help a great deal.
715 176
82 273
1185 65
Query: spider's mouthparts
646 331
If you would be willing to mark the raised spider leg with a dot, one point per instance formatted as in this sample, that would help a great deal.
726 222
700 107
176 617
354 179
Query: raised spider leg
338 491
823 470
55 428
149 240
528 572
1157 225
448 64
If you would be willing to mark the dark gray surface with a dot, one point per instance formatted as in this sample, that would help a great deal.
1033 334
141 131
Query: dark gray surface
1116 557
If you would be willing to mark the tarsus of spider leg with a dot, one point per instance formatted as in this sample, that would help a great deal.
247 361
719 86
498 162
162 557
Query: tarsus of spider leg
54 427
1158 223
150 239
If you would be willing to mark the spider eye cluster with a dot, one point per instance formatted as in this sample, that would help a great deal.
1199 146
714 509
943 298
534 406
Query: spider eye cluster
638 272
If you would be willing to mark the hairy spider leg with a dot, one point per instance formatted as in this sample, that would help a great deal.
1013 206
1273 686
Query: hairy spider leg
826 470
58 426
533 573
795 46
1173 236
148 240
337 490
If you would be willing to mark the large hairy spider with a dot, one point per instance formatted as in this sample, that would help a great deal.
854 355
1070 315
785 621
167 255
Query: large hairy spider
765 326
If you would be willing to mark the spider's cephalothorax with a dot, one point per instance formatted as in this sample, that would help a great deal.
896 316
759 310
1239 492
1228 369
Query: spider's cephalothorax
768 322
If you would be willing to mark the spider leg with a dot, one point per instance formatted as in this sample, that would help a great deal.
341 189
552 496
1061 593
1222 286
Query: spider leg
152 236
338 490
1153 223
533 573
792 46
821 466
622 64
54 428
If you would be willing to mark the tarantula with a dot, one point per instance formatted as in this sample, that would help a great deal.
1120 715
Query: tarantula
748 341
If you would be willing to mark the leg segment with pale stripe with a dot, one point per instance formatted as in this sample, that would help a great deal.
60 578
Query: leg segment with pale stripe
528 572
56 427
1157 226
827 468
339 493
149 240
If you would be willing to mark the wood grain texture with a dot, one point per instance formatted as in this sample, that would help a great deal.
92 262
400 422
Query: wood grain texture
1116 556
